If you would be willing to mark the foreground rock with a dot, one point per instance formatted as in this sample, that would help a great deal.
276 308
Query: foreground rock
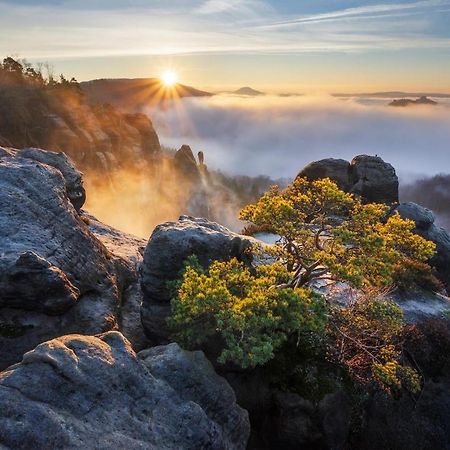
170 244
367 176
79 392
56 277
425 227
193 377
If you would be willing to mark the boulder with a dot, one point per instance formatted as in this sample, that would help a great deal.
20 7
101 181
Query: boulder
79 392
72 177
367 176
425 227
423 217
193 377
55 276
374 180
168 248
337 170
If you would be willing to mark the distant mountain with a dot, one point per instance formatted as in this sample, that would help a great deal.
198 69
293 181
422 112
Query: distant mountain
409 102
395 94
246 90
134 94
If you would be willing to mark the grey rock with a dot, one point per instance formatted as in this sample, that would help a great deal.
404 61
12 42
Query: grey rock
423 217
170 244
337 170
126 253
193 377
79 392
425 227
374 180
55 276
72 177
367 176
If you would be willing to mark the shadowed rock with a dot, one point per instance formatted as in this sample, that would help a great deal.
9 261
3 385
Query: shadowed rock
79 392
337 170
425 227
366 176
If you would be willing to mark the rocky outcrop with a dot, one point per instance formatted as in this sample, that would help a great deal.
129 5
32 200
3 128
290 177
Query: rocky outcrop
367 176
169 246
72 177
79 392
423 100
425 227
56 277
193 377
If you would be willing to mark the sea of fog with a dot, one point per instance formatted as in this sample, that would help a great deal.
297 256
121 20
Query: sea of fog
277 136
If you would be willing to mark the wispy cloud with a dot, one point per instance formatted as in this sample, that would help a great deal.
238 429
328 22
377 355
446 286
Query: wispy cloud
385 10
69 28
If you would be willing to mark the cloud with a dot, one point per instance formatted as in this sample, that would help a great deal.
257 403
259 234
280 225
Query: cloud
277 136
361 12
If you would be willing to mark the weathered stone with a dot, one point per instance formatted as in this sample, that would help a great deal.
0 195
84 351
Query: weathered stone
55 276
79 392
374 180
367 176
193 377
425 227
337 170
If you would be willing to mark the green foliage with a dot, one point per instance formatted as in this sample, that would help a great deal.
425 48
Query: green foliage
250 315
324 231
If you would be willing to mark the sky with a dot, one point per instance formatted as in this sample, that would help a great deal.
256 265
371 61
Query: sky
277 45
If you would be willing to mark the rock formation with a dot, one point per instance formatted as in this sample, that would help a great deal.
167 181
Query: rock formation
423 100
79 392
425 227
56 277
169 246
367 176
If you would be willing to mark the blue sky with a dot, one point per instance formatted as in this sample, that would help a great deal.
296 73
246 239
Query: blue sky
283 45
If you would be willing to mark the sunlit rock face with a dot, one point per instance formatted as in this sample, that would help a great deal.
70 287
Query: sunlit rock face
425 227
367 176
79 392
56 277
170 244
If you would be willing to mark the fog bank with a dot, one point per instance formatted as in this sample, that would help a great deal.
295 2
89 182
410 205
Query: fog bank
277 136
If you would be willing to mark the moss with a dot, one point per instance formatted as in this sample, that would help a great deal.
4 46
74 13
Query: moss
13 330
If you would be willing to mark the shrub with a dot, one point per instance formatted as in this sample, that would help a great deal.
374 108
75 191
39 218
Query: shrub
246 310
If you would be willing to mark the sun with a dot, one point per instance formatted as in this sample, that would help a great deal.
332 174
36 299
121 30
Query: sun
169 78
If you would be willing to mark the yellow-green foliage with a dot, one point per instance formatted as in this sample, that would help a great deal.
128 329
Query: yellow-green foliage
244 310
363 246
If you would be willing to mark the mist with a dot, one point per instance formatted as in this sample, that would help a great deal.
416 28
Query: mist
277 136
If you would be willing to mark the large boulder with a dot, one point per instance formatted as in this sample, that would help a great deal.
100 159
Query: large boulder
72 177
170 244
79 392
337 170
425 227
366 176
374 180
